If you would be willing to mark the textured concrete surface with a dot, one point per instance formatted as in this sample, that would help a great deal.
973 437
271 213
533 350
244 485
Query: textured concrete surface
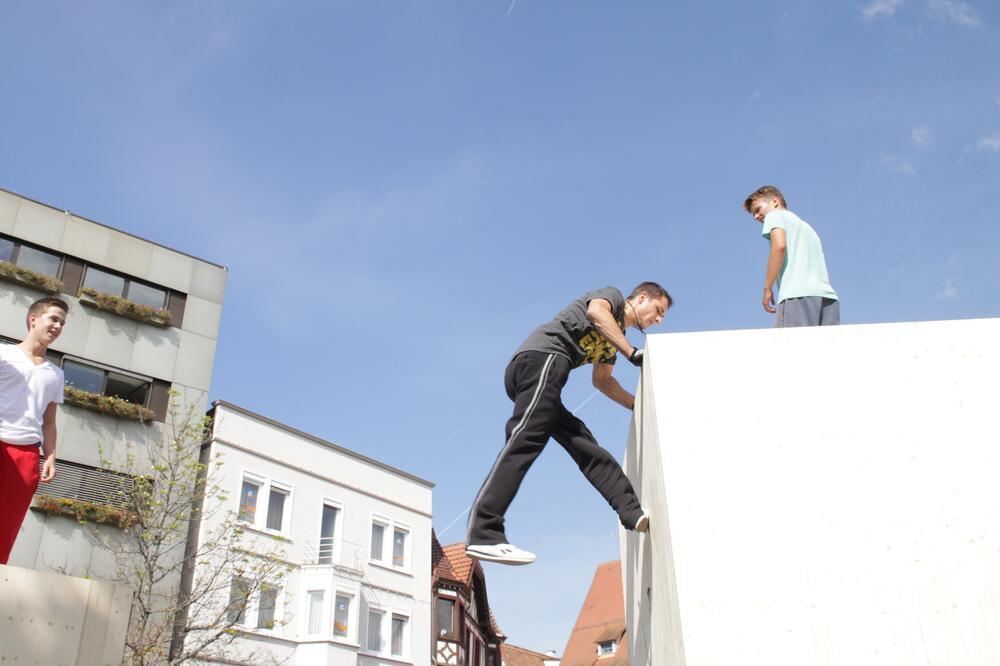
60 620
821 496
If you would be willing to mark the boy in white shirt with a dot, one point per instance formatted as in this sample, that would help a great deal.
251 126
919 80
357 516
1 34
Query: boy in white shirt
796 264
30 390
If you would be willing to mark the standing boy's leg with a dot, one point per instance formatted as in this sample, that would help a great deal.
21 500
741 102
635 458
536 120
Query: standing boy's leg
18 481
599 466
830 312
534 381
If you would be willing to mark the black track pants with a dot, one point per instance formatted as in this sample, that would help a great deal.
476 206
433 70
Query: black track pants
534 381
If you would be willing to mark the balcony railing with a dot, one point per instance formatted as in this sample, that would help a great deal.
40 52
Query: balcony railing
331 551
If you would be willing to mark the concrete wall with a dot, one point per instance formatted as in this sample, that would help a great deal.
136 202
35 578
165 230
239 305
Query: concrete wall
820 496
56 620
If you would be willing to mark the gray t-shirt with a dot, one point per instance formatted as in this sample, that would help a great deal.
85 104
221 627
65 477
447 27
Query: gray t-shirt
573 335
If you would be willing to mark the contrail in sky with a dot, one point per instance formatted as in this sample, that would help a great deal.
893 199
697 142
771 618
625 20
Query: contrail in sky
438 447
511 8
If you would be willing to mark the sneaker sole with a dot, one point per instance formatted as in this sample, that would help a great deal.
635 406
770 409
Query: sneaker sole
517 562
643 524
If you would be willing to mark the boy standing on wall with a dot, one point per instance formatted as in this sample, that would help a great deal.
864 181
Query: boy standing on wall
31 387
796 264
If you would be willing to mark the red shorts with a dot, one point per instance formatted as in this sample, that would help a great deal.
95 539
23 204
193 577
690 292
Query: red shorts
18 481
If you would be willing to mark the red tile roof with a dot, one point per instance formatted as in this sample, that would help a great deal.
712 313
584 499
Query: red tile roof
461 564
602 617
440 564
519 656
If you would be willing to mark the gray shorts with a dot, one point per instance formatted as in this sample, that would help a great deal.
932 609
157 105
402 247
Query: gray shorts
807 311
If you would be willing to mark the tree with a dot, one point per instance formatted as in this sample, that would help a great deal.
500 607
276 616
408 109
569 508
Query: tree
192 586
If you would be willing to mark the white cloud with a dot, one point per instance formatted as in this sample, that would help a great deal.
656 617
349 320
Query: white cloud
920 135
881 8
956 11
897 164
991 142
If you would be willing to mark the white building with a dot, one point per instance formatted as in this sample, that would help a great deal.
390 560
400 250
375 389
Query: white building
356 533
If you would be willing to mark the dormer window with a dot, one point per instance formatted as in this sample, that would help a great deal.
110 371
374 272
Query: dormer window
605 648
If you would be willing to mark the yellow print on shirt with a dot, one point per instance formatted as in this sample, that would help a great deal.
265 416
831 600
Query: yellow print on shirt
596 347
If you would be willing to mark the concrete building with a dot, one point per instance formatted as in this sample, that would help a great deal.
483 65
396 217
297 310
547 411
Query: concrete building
355 533
823 495
143 322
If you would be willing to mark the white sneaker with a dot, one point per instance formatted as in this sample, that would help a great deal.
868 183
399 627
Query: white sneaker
501 553
642 525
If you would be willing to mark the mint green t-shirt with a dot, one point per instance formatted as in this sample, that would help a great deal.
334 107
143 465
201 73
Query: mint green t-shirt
804 271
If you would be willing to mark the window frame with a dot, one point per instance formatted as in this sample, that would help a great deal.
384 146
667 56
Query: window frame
126 286
16 251
383 613
450 634
286 506
266 484
242 619
107 370
353 612
338 532
260 482
387 556
614 648
407 618
274 609
307 614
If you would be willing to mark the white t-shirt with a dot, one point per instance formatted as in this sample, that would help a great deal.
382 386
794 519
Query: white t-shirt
26 390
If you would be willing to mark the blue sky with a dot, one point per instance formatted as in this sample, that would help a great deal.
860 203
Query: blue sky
402 190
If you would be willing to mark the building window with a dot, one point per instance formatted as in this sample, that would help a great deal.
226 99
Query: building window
265 609
248 499
342 616
446 618
384 529
375 618
239 595
101 381
378 538
273 515
6 249
605 648
103 281
398 643
315 612
39 261
276 508
399 537
327 533
117 285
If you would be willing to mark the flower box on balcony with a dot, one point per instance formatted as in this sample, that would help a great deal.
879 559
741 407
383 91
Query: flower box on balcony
26 276
107 404
125 307
86 512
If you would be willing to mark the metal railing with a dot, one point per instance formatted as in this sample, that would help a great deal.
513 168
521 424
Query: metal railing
333 551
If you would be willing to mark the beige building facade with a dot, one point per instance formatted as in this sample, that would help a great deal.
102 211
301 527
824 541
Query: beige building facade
143 326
